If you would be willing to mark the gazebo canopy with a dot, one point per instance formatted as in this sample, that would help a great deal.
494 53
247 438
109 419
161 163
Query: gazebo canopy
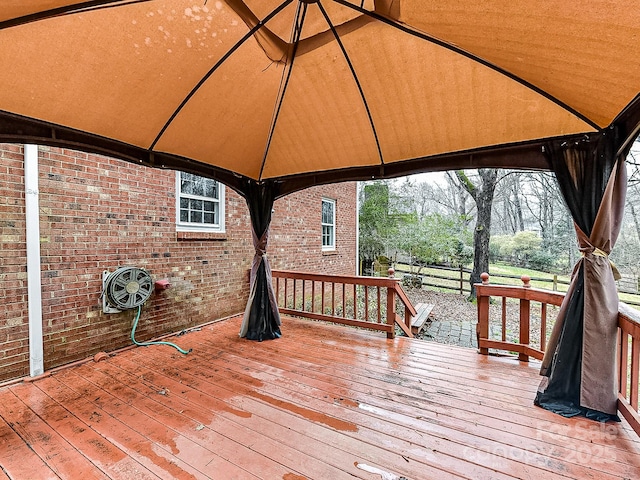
302 92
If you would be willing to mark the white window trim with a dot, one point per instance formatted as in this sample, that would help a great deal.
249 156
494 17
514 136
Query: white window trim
186 227
332 247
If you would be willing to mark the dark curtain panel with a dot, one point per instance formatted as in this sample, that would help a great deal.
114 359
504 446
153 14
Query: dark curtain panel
261 319
579 364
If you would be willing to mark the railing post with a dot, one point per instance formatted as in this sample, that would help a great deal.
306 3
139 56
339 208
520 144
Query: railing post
482 328
525 315
391 311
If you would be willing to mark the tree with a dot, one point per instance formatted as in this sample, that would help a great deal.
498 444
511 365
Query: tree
435 239
482 194
374 222
382 213
509 217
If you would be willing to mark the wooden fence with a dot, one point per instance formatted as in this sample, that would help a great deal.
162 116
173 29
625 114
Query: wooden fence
457 280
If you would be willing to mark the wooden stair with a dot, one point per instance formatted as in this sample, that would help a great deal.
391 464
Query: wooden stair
420 319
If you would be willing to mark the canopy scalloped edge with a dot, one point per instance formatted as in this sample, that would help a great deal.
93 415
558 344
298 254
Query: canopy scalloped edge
529 155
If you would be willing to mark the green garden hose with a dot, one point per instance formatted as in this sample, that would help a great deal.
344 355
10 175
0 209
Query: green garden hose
144 344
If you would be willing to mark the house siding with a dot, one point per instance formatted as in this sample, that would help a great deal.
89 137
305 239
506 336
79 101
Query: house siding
98 213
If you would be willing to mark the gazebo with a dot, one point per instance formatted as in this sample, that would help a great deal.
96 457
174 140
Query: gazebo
274 96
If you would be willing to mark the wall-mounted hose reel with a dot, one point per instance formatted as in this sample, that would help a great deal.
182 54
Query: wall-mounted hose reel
125 288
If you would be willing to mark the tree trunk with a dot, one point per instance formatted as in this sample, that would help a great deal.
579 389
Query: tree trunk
516 202
482 194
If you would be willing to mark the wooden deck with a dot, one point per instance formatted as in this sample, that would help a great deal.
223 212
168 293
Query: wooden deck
323 402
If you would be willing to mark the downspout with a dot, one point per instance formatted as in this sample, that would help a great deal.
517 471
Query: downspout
32 217
358 269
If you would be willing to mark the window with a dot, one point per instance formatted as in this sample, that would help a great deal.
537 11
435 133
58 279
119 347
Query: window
328 224
199 203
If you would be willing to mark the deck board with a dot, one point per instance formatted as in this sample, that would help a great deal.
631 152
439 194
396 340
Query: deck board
322 402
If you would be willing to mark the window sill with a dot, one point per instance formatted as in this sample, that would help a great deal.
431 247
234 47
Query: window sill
330 252
209 236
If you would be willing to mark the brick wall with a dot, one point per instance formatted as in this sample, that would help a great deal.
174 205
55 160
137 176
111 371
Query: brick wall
98 213
14 320
296 240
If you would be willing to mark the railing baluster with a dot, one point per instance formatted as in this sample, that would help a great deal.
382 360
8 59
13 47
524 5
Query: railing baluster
344 303
323 289
355 301
379 307
504 319
543 326
295 293
624 362
635 378
407 316
313 296
286 297
333 298
366 303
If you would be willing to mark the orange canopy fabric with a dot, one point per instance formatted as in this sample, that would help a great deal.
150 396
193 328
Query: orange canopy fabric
308 90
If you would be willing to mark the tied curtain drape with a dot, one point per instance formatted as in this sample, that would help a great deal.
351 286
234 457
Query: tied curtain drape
261 319
579 366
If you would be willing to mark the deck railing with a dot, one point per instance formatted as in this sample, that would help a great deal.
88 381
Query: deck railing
367 302
524 347
628 336
629 363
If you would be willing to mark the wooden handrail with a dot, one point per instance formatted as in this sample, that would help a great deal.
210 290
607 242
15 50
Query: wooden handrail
628 337
344 299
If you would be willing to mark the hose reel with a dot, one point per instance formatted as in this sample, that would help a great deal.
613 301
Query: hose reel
125 288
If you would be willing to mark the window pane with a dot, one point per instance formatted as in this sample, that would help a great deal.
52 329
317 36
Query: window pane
186 183
208 218
198 186
184 215
196 204
211 189
196 217
184 203
327 212
209 206
327 236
